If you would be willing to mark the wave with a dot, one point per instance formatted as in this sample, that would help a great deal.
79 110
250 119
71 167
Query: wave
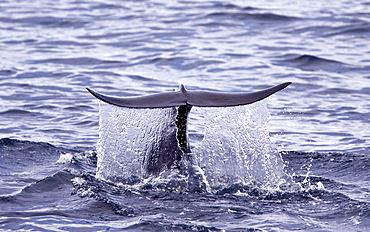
180 63
7 72
48 21
25 162
14 149
311 63
331 169
252 20
356 28
225 6
76 61
241 16
238 201
71 190
20 113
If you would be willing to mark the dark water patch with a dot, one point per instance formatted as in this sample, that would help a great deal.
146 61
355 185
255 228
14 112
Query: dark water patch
139 44
164 225
52 90
35 91
51 183
111 35
37 74
7 72
49 197
233 16
216 24
166 34
25 162
27 153
311 63
76 61
107 6
353 140
336 134
350 115
353 28
335 91
180 63
274 48
223 5
357 29
26 41
102 73
48 21
336 166
39 107
365 90
19 113
326 205
141 78
237 55
220 70
243 16
79 108
87 123
57 43
27 94
55 131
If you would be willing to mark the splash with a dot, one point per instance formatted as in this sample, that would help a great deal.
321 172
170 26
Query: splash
236 148
126 138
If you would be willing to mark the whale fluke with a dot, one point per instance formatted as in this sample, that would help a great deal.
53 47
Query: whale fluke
192 98
173 148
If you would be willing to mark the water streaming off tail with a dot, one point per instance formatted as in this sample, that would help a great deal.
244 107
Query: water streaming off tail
235 149
126 137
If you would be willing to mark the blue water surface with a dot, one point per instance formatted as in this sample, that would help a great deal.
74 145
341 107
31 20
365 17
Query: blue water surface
51 51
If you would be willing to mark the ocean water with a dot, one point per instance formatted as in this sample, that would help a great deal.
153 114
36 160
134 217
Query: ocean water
303 154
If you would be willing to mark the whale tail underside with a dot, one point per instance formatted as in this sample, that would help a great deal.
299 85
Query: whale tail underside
191 98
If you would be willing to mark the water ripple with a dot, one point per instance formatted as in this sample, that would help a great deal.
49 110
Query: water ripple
51 52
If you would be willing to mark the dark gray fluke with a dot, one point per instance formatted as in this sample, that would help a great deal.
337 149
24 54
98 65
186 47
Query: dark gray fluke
192 98
174 152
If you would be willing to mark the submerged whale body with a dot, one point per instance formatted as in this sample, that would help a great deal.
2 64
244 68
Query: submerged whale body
172 149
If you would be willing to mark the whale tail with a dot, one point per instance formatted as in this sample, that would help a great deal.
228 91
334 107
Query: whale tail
192 98
175 147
